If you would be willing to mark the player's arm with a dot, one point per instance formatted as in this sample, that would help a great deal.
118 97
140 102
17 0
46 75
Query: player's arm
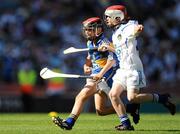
132 30
106 47
110 62
138 29
87 65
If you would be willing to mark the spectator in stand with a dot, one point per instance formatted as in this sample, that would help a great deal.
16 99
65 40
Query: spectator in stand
55 88
27 80
45 22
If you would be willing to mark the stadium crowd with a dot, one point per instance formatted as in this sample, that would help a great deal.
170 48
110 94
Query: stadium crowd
37 31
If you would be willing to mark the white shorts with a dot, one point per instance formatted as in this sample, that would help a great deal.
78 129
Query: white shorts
101 85
130 79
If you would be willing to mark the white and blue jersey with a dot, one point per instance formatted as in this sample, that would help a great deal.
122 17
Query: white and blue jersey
130 74
125 44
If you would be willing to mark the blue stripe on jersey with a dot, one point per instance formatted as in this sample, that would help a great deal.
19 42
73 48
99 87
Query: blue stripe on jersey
126 42
140 77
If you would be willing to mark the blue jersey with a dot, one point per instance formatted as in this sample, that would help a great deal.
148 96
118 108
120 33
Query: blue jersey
99 59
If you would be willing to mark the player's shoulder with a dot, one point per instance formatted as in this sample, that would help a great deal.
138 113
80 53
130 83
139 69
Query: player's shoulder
105 40
128 25
132 22
128 29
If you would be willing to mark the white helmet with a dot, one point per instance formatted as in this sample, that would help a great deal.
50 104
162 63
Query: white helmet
116 11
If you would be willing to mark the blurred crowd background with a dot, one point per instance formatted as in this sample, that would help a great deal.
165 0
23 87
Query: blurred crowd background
33 34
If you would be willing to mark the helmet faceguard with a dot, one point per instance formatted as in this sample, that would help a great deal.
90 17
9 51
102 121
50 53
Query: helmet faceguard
115 12
91 28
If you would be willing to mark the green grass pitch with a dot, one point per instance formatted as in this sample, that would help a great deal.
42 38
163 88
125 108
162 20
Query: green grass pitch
87 124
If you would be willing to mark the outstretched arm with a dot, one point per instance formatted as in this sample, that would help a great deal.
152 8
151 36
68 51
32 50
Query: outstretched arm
108 65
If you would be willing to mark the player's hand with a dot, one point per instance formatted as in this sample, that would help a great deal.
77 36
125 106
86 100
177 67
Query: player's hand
97 77
103 48
87 69
138 29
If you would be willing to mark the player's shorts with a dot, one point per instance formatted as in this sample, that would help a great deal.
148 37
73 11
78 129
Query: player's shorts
106 83
130 79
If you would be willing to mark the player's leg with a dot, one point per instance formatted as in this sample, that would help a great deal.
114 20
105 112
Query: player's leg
164 99
133 109
101 102
101 98
136 80
119 107
120 84
88 90
102 108
134 96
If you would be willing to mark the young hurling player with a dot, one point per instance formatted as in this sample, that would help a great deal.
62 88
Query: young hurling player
98 64
130 75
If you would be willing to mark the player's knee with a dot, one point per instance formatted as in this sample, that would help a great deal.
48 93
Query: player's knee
132 99
112 95
100 112
77 97
81 96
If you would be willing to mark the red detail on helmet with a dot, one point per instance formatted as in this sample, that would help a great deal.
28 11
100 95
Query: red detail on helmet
91 20
117 7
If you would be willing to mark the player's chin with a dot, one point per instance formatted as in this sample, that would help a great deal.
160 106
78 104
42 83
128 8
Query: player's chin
110 25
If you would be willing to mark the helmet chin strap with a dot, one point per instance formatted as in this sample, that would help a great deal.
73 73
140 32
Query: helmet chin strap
97 35
116 26
124 21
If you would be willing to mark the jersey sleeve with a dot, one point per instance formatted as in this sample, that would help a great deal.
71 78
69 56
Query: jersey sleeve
129 30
